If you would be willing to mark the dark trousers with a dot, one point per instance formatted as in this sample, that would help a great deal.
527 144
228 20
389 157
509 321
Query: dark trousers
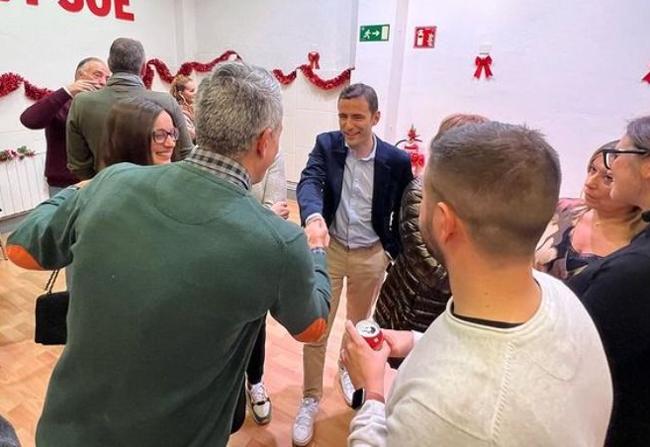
240 412
255 369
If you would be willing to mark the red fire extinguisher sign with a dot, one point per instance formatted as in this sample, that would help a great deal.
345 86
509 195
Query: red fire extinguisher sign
425 37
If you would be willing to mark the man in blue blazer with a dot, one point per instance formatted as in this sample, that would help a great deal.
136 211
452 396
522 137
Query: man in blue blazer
353 185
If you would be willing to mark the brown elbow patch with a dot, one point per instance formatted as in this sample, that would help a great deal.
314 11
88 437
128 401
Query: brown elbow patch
22 258
313 333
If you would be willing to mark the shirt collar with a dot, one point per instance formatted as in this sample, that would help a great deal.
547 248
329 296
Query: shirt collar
371 155
220 165
125 78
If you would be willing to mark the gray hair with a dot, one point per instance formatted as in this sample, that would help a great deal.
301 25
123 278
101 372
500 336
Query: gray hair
639 132
82 64
364 91
502 180
126 56
234 105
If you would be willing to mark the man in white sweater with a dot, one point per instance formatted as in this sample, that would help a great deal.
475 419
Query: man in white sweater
515 359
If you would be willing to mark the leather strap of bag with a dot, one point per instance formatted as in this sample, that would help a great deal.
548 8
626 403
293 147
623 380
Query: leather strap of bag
51 281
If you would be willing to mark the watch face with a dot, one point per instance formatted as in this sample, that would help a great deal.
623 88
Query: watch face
358 398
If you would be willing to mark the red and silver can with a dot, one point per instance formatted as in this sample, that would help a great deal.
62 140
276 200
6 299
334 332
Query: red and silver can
371 331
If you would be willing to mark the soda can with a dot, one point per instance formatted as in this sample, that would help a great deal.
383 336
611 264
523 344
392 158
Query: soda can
371 331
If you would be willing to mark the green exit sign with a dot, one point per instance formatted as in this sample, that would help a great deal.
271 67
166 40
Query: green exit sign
374 33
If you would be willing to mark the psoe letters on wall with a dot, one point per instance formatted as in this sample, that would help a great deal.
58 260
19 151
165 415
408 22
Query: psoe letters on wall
101 8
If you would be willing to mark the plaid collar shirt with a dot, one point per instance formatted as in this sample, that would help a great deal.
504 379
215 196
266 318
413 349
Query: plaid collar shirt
221 166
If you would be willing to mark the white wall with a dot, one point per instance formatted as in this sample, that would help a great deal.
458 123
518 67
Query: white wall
43 44
570 68
280 34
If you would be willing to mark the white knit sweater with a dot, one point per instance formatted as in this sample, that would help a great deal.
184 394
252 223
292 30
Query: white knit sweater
544 383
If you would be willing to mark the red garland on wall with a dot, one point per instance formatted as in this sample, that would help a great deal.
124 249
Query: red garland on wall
10 82
307 70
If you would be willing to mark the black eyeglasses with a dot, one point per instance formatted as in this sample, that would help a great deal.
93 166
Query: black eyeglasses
160 135
609 155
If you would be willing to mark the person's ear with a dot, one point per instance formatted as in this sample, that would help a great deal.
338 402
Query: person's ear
446 223
263 142
375 117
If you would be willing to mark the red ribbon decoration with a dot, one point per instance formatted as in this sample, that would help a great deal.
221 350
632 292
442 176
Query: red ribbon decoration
314 58
647 78
483 64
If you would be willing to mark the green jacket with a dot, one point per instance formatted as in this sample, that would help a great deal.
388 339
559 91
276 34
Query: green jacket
88 114
174 270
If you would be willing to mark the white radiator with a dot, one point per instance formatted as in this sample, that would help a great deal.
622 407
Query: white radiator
22 185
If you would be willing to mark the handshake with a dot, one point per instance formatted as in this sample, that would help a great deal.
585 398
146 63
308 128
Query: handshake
318 235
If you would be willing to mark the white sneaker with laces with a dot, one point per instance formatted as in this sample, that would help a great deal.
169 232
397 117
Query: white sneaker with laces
303 427
346 385
260 403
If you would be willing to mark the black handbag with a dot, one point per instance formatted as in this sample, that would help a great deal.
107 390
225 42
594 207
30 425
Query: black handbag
51 314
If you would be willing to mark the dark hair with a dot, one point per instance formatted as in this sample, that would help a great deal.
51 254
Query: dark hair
127 136
126 55
638 130
361 90
502 180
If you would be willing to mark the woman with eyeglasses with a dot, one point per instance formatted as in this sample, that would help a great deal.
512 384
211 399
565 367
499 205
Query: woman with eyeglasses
138 131
584 230
615 290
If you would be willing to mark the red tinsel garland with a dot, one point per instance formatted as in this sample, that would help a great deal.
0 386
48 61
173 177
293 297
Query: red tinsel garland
307 70
10 82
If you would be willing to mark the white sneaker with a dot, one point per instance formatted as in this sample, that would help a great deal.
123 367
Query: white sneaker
303 427
346 385
259 402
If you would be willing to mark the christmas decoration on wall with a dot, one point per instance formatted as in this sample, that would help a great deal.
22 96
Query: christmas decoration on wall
412 147
10 82
483 65
16 154
284 79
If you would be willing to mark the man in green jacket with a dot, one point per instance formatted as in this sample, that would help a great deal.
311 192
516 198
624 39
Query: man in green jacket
175 266
88 112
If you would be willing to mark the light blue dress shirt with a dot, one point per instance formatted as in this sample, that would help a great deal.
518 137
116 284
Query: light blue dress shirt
352 224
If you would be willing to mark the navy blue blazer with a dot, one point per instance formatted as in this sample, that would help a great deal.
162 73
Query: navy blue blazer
319 189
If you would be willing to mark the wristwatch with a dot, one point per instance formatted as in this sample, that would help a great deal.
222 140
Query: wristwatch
360 396
319 250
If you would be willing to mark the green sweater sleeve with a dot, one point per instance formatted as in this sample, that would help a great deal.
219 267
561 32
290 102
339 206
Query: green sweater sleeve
43 240
304 292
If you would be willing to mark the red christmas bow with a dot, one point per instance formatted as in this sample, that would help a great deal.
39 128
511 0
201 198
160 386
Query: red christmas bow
417 160
483 64
314 57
